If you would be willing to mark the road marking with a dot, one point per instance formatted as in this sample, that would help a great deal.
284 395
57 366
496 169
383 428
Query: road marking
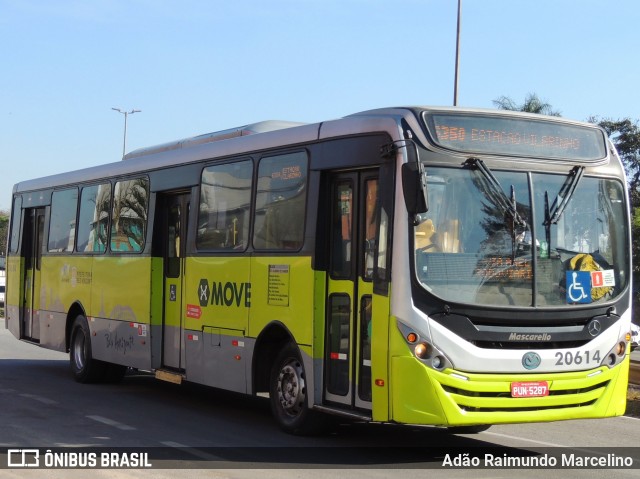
524 439
111 422
583 449
191 450
41 399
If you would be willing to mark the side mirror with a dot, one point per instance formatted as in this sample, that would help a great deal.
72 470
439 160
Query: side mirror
414 185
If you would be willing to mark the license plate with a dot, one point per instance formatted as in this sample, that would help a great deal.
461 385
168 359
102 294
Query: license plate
530 389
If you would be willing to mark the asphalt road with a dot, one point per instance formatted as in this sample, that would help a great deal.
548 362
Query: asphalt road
216 434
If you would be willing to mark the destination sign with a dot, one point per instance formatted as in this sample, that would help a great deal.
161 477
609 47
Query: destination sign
490 134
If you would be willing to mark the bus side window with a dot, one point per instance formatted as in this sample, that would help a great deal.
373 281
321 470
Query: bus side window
281 202
16 221
62 227
225 205
93 219
129 215
370 226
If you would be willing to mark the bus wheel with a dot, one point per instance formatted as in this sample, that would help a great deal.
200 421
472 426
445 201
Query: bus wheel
288 393
85 369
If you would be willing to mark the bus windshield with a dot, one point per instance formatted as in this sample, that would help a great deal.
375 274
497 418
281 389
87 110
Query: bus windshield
470 248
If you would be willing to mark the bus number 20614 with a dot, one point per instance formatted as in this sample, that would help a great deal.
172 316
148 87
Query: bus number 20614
575 359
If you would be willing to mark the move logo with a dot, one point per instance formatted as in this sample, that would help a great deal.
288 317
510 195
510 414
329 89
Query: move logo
531 360
224 294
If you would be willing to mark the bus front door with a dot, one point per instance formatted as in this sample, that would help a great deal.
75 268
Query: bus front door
32 237
175 220
350 288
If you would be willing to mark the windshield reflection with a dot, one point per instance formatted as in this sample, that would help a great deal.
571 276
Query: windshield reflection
470 249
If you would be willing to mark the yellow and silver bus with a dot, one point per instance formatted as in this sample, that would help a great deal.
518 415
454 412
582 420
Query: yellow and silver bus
438 266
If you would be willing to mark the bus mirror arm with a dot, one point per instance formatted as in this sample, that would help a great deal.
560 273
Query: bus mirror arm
414 177
414 184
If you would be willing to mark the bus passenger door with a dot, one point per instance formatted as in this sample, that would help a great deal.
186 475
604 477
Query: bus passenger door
174 220
350 288
33 236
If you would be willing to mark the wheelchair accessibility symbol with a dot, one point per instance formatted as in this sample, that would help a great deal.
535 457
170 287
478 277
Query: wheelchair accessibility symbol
578 287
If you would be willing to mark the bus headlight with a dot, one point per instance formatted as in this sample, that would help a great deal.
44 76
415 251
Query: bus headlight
431 356
617 354
422 350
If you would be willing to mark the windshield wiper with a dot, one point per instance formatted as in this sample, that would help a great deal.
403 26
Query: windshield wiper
497 194
552 215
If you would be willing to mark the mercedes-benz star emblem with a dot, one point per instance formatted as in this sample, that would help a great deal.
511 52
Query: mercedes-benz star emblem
594 327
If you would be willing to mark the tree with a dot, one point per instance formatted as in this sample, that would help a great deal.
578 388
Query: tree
4 229
532 104
625 135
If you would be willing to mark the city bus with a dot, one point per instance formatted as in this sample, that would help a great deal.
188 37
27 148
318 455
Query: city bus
433 266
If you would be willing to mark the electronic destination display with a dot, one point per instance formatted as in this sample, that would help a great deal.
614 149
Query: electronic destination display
490 134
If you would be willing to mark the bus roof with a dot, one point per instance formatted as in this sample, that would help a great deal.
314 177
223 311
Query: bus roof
253 137
245 139
252 129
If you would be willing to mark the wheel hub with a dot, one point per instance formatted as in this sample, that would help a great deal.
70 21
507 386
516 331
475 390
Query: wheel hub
291 387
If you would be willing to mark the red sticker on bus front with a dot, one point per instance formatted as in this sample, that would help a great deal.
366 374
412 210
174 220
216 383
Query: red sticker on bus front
604 278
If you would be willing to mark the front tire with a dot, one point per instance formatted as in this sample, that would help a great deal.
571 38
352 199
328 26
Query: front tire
288 393
85 369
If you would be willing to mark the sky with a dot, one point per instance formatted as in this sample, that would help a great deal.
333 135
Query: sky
197 66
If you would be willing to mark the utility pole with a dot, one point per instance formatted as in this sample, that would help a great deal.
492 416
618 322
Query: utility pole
125 113
455 81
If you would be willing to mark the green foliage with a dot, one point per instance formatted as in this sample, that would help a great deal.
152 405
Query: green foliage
4 229
532 104
635 252
625 135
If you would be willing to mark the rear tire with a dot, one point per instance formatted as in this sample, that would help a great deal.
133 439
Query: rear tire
85 369
288 394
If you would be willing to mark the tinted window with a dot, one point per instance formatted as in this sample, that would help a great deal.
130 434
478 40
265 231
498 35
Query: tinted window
62 226
15 224
93 221
129 216
225 198
280 202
